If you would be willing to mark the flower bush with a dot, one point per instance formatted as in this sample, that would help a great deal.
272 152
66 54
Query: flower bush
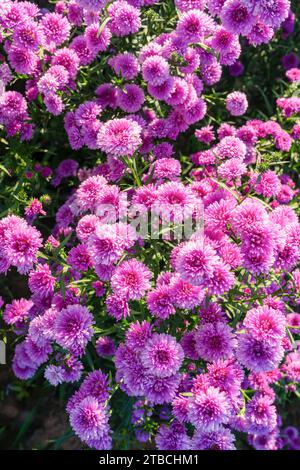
161 257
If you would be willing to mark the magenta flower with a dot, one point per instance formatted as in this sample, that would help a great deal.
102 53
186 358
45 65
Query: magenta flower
208 409
120 137
73 328
131 279
215 341
162 355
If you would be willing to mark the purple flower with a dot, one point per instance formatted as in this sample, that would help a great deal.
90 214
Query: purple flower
120 137
117 306
208 409
131 98
56 30
97 42
236 103
195 262
161 390
21 246
258 355
194 25
105 346
131 279
138 334
265 323
155 70
125 19
219 439
17 311
54 374
125 64
236 17
73 328
172 438
89 419
41 282
162 355
160 302
261 417
215 341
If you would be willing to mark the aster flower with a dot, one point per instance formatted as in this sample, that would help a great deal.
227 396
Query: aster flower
23 366
268 184
161 390
174 201
56 30
105 346
194 25
54 104
131 98
231 147
17 311
125 19
89 419
79 258
162 92
68 59
96 385
131 279
185 5
73 328
5 74
261 415
117 306
22 60
274 13
211 73
22 243
195 111
189 345
162 355
260 33
125 64
205 134
41 282
105 246
138 334
195 262
27 35
265 323
160 302
186 295
236 103
208 409
172 438
120 137
87 195
39 353
258 355
226 375
155 70
85 55
236 17
92 5
179 92
97 42
219 439
215 341
54 374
